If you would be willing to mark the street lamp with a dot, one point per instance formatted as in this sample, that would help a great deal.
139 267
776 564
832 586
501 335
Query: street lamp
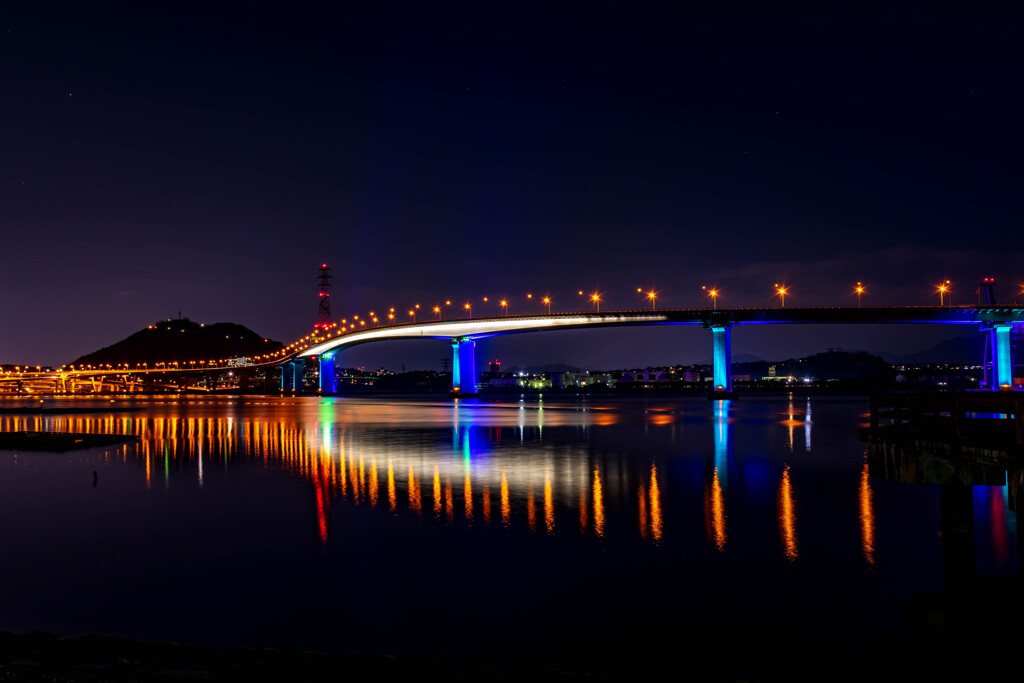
412 314
547 302
579 293
859 289
504 304
943 289
652 295
437 311
596 298
781 291
713 293
469 308
636 297
526 306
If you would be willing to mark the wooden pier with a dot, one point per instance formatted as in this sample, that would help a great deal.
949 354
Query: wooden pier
966 418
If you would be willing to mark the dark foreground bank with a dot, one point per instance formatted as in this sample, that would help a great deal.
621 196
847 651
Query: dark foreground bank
47 657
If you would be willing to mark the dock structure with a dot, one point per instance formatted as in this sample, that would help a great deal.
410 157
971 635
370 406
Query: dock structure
955 441
965 418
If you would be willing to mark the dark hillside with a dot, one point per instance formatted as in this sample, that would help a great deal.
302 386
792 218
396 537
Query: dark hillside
182 340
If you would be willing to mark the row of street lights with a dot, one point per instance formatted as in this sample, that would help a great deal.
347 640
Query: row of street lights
781 291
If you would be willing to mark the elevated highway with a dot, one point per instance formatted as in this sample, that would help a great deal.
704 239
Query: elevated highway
997 321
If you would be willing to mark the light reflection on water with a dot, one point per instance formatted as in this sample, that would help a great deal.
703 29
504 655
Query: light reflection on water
345 449
342 460
637 481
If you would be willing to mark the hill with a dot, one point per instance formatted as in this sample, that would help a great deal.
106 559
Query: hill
832 365
181 340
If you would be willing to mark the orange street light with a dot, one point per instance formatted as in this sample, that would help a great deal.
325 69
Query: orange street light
469 308
943 289
858 290
547 302
781 291
652 295
437 311
713 293
596 298
636 297
526 303
579 293
504 304
412 314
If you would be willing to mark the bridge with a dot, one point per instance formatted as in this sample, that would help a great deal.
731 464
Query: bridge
996 321
323 345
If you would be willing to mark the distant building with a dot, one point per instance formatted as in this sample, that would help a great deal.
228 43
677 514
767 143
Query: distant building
647 376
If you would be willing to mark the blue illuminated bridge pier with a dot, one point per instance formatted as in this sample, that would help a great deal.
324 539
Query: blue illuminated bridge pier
995 321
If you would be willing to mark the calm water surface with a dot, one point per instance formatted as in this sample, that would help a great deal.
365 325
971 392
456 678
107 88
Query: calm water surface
491 527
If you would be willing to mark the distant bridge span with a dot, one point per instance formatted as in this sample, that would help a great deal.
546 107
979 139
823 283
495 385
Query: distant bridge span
996 320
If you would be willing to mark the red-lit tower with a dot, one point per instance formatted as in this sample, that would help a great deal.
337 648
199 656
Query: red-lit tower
323 281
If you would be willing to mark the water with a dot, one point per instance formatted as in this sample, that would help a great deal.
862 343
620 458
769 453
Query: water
569 529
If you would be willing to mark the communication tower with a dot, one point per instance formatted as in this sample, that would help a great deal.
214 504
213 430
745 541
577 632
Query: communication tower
323 281
986 291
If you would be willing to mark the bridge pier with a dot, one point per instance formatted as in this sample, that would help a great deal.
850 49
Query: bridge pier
328 383
1002 355
463 367
291 376
721 357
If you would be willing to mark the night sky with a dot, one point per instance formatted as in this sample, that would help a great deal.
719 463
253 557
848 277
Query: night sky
166 157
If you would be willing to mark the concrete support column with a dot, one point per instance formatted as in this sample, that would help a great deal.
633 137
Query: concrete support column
297 372
1002 356
721 357
463 367
328 384
284 376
